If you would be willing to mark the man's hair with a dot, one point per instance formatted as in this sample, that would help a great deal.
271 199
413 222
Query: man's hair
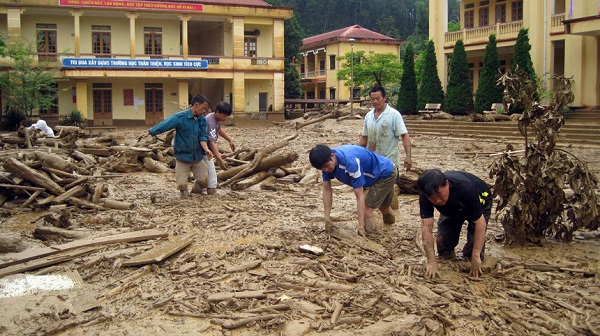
223 107
378 88
430 181
319 156
199 99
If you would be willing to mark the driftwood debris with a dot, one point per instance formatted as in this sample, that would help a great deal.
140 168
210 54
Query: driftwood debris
161 252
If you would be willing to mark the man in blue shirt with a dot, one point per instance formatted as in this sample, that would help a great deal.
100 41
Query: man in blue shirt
190 143
359 168
458 196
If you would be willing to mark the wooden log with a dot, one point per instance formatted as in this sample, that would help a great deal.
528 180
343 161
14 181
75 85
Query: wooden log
336 313
315 120
87 159
242 322
269 183
243 267
250 181
217 297
155 166
46 233
267 163
22 170
83 204
76 182
27 138
114 204
63 130
31 198
73 192
98 192
56 162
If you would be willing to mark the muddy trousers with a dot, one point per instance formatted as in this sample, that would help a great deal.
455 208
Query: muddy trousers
182 172
448 234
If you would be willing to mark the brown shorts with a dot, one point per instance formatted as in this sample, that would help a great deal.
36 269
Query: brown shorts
381 193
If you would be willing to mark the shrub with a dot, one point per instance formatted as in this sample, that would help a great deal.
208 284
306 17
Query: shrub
74 118
12 119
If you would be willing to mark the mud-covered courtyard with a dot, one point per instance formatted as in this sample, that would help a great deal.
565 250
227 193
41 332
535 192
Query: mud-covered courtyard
244 274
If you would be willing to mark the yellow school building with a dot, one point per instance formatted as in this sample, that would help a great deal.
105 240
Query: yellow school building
138 62
564 37
318 65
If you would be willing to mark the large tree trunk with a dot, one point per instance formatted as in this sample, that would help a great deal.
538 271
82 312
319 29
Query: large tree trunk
22 170
267 163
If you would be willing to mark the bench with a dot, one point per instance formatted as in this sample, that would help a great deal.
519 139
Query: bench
97 130
429 110
494 109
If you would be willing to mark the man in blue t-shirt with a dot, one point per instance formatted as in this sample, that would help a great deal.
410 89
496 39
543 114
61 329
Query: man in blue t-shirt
359 168
459 197
190 145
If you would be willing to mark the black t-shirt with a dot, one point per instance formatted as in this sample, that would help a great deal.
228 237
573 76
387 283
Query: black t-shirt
468 193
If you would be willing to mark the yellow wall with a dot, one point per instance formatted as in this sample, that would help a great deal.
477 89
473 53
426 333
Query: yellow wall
579 58
120 41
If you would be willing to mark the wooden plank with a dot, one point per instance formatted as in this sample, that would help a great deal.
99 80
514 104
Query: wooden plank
15 186
161 252
112 239
47 261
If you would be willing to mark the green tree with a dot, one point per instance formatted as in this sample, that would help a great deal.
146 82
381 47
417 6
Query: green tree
407 96
522 61
488 91
27 86
459 93
430 87
387 26
292 43
368 70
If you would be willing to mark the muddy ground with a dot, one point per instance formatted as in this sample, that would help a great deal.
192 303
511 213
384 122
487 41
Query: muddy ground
357 287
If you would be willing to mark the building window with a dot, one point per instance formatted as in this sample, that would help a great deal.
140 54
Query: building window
302 68
517 11
154 97
46 41
52 110
469 19
250 46
152 41
101 40
501 13
102 93
331 93
484 16
331 62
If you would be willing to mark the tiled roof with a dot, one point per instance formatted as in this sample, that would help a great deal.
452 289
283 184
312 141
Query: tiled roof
356 32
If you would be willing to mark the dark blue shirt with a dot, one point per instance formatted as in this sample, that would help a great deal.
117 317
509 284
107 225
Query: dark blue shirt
188 134
359 167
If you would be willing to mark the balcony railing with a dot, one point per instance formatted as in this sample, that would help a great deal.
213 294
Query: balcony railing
481 34
557 25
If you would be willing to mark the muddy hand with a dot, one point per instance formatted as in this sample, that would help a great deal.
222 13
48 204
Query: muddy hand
476 270
432 270
360 231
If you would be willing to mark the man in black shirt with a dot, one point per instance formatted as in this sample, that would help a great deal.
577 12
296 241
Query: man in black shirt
459 197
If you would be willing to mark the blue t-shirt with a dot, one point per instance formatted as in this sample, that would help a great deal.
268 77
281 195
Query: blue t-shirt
358 166
188 134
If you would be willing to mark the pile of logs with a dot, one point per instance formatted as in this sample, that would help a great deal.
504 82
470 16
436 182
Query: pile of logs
42 172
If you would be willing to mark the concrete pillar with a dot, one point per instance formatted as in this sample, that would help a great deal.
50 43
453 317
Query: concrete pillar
132 16
238 37
81 91
13 18
184 27
183 93
278 50
239 92
438 25
77 31
278 91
